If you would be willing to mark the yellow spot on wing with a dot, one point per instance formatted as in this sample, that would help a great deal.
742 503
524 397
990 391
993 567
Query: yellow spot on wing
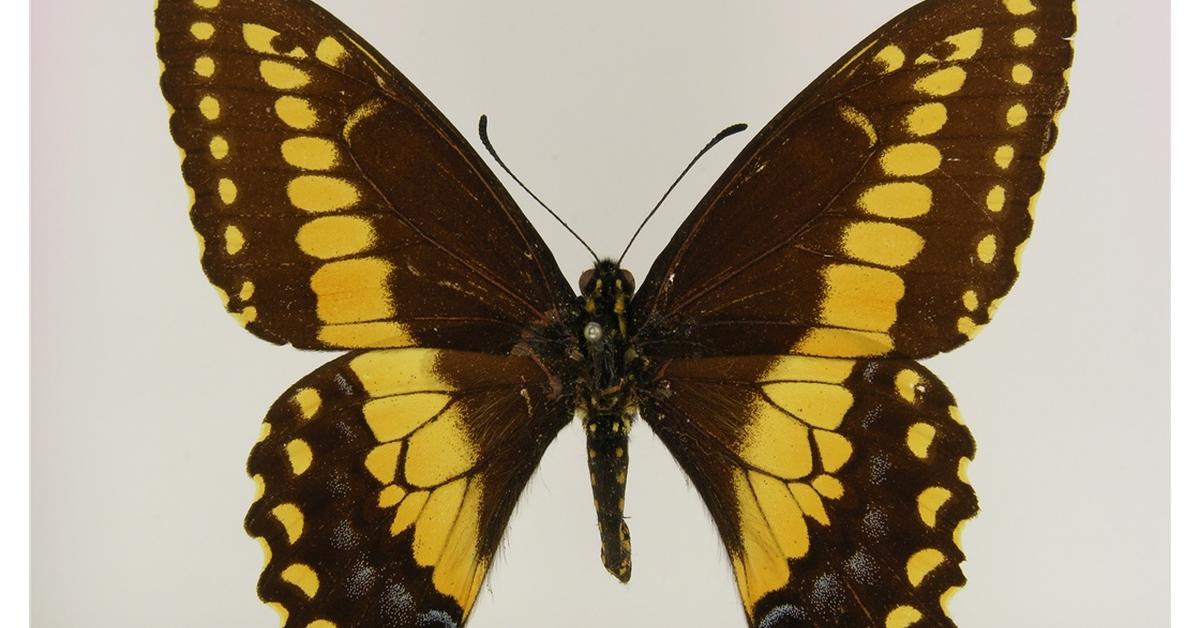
206 4
1019 7
829 486
292 520
860 297
234 240
764 568
1017 115
383 461
398 371
440 450
353 290
393 418
320 193
1022 74
331 52
810 502
1004 156
300 456
921 563
986 249
219 147
407 513
970 300
205 66
247 291
310 153
834 448
902 617
1024 37
366 335
266 550
391 495
947 595
926 119
227 190
260 486
210 108
860 120
262 40
455 573
966 44
942 82
819 405
881 243
280 75
920 437
328 237
295 112
776 443
782 513
202 30
929 502
910 160
303 577
308 400
843 343
996 197
906 199
436 522
283 612
906 384
797 368
891 58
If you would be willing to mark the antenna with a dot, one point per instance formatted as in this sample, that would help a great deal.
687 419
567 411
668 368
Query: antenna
488 144
737 128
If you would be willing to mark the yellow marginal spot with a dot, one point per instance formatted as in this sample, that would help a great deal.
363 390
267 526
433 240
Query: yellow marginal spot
966 44
776 443
881 243
455 573
958 532
947 595
929 502
206 4
393 418
996 198
1022 74
926 119
891 58
834 448
202 30
266 550
246 316
205 66
391 495
310 153
1004 156
902 617
302 577
829 486
819 405
955 414
970 300
920 437
407 513
219 147
906 384
910 160
1019 7
398 371
942 82
810 502
300 456
860 297
280 75
295 112
200 242
321 623
234 240
963 464
797 368
436 521
331 52
968 327
247 291
366 335
440 450
765 568
260 486
308 400
227 190
843 343
782 513
986 249
383 461
320 193
921 563
328 237
283 612
860 120
210 108
1024 37
1017 115
264 432
224 296
292 520
905 199
353 290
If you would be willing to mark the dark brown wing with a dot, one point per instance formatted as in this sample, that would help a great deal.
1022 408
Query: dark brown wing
385 482
883 211
336 207
838 486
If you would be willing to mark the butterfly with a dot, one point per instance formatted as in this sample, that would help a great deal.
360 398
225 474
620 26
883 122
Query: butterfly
878 219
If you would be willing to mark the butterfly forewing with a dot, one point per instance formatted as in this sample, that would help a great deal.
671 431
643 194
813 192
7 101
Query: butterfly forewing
883 211
336 208
385 480
838 486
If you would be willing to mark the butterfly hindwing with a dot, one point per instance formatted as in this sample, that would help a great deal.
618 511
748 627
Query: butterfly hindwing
883 211
838 486
331 199
385 481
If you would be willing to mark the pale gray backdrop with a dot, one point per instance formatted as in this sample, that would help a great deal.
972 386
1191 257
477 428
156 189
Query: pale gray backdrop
147 396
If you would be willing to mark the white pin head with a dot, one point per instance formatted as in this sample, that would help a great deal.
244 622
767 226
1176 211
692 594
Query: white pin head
593 332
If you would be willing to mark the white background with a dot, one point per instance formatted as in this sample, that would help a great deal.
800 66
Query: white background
147 397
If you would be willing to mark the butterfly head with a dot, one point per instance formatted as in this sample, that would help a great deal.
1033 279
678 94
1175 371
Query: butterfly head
606 290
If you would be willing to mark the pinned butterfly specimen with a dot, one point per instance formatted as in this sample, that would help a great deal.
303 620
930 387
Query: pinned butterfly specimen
877 220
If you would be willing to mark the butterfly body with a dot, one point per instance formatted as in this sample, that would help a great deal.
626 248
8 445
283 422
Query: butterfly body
772 347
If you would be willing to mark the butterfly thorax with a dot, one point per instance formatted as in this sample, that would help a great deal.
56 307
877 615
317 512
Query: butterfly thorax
607 401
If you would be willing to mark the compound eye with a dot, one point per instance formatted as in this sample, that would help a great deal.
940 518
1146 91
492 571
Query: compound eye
627 277
585 279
